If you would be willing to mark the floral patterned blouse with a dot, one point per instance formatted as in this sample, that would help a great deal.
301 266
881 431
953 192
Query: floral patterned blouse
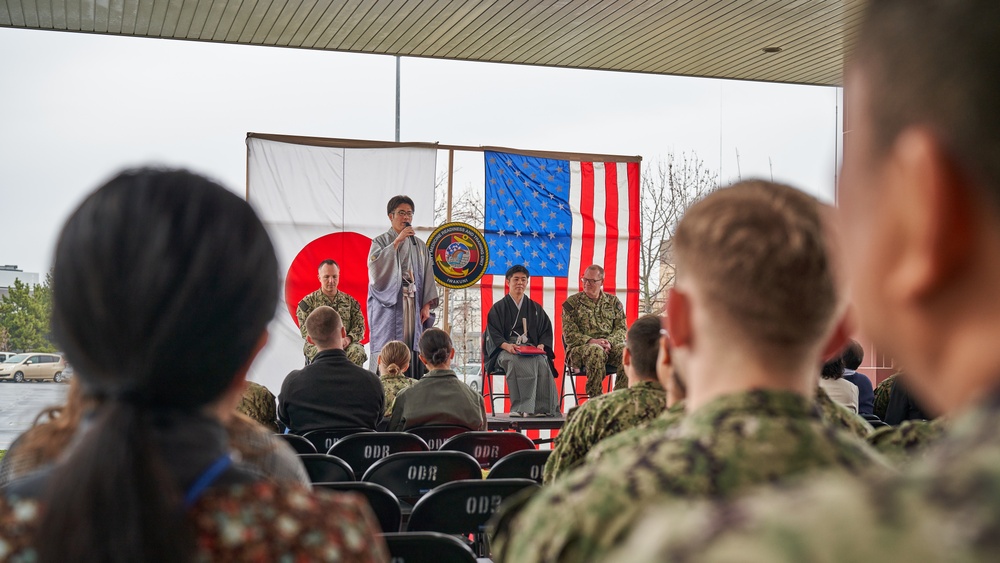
259 522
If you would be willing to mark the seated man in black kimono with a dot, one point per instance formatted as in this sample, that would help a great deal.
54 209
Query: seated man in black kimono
515 322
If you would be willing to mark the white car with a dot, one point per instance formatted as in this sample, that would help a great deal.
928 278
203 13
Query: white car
472 375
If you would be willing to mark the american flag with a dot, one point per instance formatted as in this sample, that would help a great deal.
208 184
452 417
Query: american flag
557 217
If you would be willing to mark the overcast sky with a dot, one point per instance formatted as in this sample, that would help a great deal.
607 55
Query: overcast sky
75 108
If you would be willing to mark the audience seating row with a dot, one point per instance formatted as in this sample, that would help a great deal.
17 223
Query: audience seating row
361 450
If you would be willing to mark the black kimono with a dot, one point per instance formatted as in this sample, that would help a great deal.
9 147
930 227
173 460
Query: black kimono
531 391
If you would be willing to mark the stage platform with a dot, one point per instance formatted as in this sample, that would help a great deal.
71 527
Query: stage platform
505 422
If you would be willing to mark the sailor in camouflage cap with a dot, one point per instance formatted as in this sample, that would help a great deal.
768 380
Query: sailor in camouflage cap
346 306
593 325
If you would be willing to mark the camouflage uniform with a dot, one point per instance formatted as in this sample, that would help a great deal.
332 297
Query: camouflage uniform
350 312
945 507
901 444
584 318
839 416
634 438
882 392
599 418
393 384
258 403
723 448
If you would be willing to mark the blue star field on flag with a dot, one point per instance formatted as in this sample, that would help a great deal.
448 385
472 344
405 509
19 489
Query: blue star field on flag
528 218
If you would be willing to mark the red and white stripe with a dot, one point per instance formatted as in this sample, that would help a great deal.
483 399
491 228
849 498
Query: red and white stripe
604 200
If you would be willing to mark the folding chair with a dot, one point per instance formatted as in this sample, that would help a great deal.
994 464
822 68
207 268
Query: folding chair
464 507
428 547
571 373
435 435
324 438
409 475
298 443
875 421
524 464
384 504
323 468
360 451
488 447
488 379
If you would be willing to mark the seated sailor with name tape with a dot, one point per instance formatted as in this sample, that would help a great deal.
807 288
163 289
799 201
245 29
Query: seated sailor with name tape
519 341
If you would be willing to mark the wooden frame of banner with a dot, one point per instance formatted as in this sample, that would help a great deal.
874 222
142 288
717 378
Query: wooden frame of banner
367 144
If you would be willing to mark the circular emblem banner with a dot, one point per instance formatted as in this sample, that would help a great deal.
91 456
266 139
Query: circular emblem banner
459 253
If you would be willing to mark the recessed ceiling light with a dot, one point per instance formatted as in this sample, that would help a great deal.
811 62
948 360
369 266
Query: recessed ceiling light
771 50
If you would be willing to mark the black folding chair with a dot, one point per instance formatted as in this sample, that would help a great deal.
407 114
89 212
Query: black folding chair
324 438
360 451
488 379
384 504
571 373
524 464
463 507
409 475
298 443
435 435
488 447
875 421
323 468
428 547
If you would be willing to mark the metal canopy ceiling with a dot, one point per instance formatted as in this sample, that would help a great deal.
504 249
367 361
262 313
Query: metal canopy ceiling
710 38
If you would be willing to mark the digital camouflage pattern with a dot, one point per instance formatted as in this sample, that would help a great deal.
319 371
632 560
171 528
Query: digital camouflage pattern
723 448
882 393
584 318
633 438
841 417
258 403
599 418
945 507
902 444
393 384
350 313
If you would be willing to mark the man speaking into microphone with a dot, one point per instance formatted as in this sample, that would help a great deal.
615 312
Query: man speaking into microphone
401 287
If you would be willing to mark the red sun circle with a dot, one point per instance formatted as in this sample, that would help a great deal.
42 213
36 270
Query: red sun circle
350 251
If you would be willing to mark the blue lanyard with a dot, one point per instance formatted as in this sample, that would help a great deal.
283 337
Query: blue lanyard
206 479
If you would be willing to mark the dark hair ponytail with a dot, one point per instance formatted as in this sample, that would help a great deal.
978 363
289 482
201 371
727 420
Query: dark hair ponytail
435 346
163 284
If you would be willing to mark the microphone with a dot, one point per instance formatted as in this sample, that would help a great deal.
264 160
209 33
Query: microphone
411 238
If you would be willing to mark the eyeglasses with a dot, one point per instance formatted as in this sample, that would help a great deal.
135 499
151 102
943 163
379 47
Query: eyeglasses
590 281
404 213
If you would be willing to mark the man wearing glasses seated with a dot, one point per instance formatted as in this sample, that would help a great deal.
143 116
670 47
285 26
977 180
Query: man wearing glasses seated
594 330
401 287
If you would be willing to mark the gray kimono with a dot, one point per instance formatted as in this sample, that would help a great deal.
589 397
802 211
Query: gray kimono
400 282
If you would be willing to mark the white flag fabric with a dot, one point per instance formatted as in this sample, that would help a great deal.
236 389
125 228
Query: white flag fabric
318 202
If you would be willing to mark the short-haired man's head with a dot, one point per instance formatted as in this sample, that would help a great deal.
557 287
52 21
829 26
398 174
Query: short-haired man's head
396 201
516 269
642 342
394 358
934 64
853 355
595 269
435 346
323 325
755 253
328 262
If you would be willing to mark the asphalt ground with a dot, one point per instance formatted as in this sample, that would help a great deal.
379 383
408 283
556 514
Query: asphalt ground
20 403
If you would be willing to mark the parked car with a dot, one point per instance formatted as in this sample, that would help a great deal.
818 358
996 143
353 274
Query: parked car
32 365
5 355
472 375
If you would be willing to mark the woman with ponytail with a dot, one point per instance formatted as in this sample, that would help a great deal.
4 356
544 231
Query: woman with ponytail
439 397
393 361
163 285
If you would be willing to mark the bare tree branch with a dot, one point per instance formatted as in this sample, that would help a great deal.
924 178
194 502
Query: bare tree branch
666 193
